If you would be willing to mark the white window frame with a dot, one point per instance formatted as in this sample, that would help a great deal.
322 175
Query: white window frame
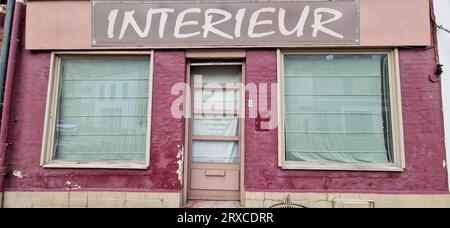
47 152
398 165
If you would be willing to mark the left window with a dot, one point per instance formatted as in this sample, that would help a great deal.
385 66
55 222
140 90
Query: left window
98 111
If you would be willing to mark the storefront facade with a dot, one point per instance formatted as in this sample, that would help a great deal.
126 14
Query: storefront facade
154 104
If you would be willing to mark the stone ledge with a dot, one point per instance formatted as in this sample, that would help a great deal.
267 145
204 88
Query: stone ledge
346 200
91 200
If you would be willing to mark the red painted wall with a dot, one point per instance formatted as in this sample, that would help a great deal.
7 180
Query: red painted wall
423 129
28 121
423 135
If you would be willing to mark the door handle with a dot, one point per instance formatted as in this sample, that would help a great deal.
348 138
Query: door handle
215 173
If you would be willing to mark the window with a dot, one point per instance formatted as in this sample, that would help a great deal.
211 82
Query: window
98 111
216 124
340 111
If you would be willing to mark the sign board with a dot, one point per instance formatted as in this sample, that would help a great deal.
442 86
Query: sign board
224 24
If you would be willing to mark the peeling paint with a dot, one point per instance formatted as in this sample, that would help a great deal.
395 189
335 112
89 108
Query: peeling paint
69 186
180 162
18 174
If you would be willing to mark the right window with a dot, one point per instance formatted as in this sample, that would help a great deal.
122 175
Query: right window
341 111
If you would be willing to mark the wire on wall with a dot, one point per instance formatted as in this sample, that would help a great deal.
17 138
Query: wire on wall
441 27
439 67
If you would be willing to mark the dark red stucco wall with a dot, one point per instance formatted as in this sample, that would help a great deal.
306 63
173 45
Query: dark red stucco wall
28 121
423 129
423 138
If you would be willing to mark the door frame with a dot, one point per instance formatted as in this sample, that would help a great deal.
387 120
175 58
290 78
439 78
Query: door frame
211 55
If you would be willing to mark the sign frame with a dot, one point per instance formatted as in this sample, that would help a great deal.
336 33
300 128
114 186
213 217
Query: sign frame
143 44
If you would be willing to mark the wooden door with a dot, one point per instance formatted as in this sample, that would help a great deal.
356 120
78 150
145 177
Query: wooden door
215 142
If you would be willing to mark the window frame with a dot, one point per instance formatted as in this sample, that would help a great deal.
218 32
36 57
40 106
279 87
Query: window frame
47 152
398 165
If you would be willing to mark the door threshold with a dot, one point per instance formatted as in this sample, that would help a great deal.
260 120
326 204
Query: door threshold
212 204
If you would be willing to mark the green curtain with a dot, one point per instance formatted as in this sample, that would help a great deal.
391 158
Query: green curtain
102 110
337 108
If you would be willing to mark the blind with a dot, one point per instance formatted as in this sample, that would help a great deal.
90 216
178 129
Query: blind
337 108
102 110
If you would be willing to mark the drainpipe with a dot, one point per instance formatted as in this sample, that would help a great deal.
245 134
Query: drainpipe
9 81
5 44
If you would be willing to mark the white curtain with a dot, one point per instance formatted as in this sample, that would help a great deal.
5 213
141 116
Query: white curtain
215 152
102 110
337 108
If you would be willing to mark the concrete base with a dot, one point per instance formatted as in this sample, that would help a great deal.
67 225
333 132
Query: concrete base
91 200
253 200
341 200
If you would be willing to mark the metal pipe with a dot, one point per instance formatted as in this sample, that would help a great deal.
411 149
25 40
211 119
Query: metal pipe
5 46
9 87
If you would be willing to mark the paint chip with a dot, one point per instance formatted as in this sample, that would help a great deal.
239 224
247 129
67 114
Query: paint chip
70 186
18 174
180 162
